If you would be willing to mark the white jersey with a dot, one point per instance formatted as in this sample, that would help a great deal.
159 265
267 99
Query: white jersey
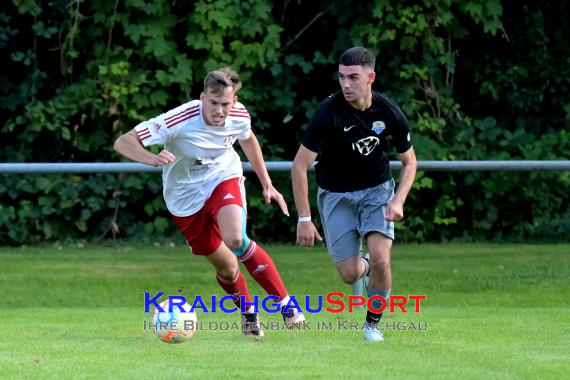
204 154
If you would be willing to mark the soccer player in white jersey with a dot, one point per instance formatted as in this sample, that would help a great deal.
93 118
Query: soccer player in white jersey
204 186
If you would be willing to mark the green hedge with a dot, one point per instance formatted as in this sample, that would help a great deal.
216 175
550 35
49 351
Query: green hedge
479 80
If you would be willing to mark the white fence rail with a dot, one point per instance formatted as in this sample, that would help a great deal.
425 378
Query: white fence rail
129 167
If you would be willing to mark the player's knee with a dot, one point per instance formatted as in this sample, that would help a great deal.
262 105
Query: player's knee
238 245
380 265
234 243
349 277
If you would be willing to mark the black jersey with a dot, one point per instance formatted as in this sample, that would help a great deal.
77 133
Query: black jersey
353 145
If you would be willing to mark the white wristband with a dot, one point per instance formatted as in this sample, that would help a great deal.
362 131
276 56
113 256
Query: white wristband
304 218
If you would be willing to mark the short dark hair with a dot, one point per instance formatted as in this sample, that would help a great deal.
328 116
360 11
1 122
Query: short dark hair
218 80
358 56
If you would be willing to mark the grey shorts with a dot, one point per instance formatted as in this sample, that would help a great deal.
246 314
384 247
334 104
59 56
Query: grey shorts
349 217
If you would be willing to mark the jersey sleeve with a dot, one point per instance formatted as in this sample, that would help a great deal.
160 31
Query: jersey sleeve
243 120
244 135
401 132
152 132
313 137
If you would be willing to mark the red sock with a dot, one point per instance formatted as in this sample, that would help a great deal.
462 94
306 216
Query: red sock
263 270
236 287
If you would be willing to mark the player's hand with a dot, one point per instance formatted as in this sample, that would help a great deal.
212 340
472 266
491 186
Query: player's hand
163 158
307 233
394 211
270 193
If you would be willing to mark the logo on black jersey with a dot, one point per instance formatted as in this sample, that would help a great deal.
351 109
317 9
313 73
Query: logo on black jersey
378 126
366 145
346 129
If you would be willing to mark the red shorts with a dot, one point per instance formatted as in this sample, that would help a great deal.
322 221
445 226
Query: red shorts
201 229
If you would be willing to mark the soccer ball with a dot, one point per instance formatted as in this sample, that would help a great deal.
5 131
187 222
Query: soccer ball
175 326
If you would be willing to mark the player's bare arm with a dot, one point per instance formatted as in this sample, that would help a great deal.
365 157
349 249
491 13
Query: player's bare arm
395 210
252 151
306 230
130 146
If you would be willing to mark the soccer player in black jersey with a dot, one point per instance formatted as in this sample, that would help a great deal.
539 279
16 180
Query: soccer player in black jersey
350 135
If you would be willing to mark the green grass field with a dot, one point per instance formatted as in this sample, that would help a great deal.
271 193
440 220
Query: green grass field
492 312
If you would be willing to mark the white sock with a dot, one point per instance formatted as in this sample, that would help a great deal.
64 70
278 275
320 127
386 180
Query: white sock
250 310
284 301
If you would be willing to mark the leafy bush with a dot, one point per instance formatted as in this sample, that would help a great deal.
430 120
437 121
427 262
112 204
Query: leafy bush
478 81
